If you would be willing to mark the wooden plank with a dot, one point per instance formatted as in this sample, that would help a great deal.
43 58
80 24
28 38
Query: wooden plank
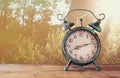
56 71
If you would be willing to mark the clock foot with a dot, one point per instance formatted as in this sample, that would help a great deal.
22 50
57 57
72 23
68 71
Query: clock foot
96 66
66 67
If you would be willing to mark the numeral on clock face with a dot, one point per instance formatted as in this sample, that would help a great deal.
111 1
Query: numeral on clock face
88 56
70 51
75 36
92 39
75 55
93 52
81 34
81 58
70 40
68 45
87 35
95 46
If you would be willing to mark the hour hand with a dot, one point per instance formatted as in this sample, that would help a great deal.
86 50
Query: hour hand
76 48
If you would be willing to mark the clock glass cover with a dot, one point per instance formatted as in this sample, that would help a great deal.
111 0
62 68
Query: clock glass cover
81 45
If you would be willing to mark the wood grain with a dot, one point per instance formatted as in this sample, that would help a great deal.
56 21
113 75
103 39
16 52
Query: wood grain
56 71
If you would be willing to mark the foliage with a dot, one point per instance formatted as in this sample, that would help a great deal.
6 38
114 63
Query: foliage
29 35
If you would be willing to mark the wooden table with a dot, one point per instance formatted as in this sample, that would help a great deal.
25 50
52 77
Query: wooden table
56 71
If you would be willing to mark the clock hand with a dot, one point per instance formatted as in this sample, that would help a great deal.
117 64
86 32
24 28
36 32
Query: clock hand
77 47
84 45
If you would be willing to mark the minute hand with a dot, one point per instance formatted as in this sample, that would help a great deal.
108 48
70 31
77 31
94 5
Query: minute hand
84 45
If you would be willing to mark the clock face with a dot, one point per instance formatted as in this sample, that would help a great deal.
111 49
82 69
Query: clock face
81 45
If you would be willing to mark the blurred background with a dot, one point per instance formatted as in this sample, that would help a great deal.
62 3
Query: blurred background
30 32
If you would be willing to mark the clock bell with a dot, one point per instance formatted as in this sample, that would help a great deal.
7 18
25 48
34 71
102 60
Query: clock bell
96 25
67 25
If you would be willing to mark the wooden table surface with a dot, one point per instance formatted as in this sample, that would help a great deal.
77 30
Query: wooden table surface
56 71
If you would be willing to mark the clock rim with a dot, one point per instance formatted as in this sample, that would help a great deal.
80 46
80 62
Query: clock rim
69 57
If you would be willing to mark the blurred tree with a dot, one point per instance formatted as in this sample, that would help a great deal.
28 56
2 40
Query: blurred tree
27 25
3 6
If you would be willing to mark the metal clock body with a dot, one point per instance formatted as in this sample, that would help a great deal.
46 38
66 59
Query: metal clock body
81 45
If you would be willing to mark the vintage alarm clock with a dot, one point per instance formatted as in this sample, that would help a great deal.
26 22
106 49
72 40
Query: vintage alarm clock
81 45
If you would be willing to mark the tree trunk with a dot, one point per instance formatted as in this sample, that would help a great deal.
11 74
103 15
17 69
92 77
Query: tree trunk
4 18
